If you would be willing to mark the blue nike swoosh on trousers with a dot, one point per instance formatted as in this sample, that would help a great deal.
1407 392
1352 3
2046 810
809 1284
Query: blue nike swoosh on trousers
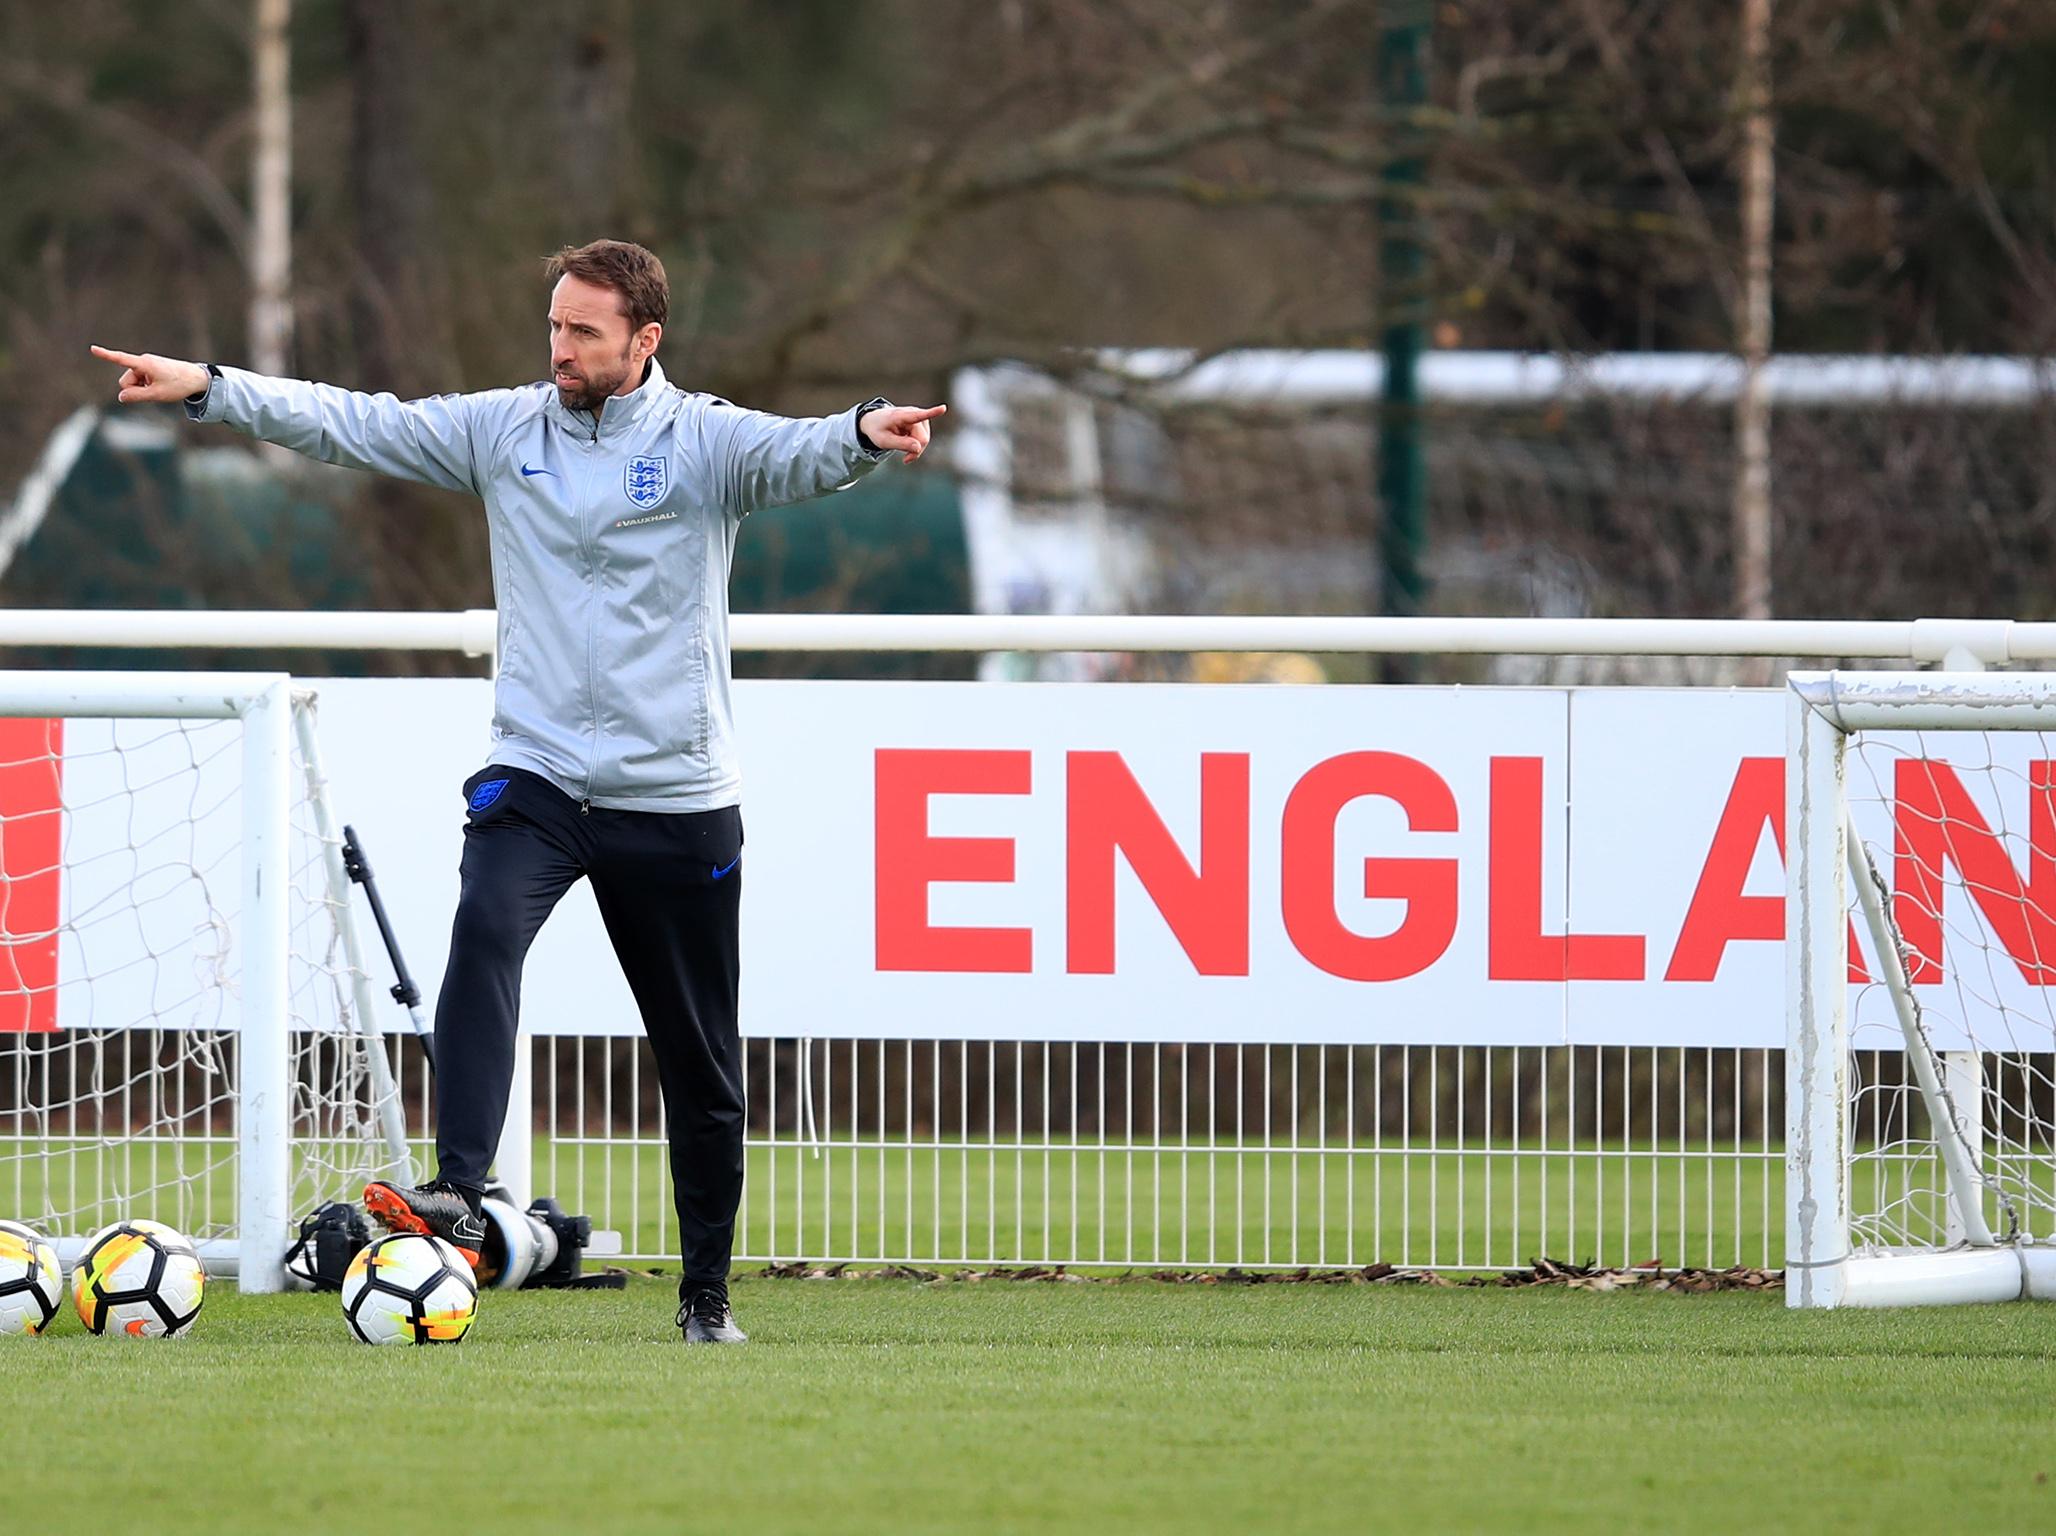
728 866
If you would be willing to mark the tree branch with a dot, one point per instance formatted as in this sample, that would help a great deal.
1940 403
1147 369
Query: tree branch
140 139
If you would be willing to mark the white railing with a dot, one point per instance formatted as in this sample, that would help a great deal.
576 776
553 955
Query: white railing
469 633
974 1152
1957 642
1352 377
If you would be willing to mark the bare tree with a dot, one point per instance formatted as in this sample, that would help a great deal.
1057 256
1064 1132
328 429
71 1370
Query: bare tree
1752 514
271 174
398 285
844 212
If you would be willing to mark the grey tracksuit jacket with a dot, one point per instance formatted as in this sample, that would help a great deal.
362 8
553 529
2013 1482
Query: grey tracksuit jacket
611 543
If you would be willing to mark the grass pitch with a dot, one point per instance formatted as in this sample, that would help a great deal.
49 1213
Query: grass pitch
1002 1407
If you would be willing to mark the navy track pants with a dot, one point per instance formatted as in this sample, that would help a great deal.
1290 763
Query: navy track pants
669 887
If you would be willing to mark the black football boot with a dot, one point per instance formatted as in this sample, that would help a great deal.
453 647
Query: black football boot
437 1210
706 1319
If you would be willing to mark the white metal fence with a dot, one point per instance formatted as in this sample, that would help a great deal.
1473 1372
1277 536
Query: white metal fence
981 1153
1254 1156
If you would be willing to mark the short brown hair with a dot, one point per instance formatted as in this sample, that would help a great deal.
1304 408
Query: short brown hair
628 269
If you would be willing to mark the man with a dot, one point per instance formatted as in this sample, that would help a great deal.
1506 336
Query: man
612 499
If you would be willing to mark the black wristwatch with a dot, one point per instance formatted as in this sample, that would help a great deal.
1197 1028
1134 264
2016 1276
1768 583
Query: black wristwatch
200 398
864 443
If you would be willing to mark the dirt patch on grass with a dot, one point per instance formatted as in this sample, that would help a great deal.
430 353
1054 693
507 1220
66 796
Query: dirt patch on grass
1651 1276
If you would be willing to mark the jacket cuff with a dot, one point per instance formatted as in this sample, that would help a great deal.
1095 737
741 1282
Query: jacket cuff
211 406
857 431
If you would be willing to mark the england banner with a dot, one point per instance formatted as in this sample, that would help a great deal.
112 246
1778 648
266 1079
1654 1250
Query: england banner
1108 862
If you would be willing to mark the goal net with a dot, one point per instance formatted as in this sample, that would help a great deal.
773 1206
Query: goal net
1921 1066
185 1029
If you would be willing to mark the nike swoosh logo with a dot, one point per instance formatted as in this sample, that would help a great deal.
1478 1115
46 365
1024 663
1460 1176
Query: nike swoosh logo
730 865
526 471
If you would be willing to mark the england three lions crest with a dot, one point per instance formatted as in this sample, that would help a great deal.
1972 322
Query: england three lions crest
646 480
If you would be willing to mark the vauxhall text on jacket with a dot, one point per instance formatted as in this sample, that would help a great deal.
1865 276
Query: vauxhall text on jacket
611 542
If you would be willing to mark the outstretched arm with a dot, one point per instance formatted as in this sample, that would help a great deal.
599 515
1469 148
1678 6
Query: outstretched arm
770 461
427 440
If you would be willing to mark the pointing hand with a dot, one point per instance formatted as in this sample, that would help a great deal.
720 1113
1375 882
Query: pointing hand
146 377
904 427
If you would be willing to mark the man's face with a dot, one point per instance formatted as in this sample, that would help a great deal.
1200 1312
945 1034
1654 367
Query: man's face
593 353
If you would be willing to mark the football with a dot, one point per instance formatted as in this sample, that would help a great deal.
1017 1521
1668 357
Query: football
139 1278
409 1289
31 1280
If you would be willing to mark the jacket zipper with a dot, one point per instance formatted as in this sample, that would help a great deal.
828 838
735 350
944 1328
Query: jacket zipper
592 576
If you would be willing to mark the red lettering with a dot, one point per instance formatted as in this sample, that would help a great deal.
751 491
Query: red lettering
1427 886
1516 947
31 872
1720 913
1935 819
909 860
1206 909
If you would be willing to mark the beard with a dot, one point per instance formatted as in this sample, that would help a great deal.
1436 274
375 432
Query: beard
591 391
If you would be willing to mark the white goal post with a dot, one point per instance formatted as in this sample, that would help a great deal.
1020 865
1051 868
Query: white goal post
1920 954
186 1030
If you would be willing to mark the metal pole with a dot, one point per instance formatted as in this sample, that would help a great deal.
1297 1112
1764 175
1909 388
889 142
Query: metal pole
1403 35
264 1048
1816 1012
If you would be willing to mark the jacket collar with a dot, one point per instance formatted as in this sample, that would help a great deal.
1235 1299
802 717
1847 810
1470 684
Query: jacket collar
619 414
